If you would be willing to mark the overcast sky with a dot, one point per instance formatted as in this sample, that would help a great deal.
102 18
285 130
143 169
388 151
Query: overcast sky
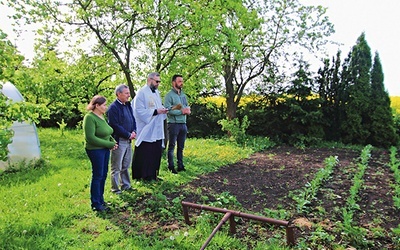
378 19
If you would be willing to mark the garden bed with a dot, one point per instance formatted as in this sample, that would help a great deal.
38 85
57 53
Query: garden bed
265 180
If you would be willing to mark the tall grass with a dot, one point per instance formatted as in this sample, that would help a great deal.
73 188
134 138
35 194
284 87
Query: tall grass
46 205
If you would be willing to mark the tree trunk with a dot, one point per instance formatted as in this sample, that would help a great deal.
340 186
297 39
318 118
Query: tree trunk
231 106
130 84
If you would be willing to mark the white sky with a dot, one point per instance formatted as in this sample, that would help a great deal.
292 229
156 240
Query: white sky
378 19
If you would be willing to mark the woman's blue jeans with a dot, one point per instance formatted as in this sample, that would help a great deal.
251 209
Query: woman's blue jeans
99 159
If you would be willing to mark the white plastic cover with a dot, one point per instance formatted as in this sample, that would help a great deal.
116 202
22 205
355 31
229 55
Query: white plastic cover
25 143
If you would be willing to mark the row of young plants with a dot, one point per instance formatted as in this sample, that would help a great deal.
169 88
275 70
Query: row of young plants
353 234
394 166
309 192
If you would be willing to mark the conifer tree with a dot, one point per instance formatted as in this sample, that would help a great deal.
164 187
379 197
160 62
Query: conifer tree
331 92
355 128
300 112
382 130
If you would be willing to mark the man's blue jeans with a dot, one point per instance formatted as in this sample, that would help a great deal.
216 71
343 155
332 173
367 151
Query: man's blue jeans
99 159
176 135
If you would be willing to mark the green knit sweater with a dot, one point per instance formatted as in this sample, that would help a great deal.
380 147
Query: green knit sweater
172 98
97 132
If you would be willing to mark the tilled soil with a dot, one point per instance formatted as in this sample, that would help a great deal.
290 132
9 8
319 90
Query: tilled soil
266 180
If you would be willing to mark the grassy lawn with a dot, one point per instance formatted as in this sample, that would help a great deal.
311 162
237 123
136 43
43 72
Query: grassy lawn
46 205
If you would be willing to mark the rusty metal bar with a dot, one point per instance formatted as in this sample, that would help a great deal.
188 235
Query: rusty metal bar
290 235
232 225
290 239
223 220
186 215
237 213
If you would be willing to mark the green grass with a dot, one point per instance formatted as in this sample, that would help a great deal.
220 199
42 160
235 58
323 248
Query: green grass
46 205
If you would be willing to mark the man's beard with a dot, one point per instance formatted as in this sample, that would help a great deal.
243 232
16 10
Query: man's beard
153 88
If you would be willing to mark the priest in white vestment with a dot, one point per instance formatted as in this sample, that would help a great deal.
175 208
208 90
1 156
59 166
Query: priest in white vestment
149 115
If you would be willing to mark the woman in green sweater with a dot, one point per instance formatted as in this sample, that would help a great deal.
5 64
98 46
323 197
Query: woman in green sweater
98 142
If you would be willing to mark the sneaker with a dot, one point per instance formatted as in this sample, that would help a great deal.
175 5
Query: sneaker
129 189
172 170
101 208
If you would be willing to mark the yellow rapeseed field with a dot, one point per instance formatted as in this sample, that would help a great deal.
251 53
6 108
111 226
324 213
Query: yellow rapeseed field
395 103
219 100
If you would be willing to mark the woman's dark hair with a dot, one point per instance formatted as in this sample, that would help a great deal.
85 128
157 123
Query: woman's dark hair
97 99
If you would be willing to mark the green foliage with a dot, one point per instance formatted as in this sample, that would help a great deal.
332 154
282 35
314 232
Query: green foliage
204 121
383 132
6 135
353 234
62 126
9 111
53 206
355 127
396 232
204 40
225 200
151 220
236 130
65 88
257 49
10 59
355 105
331 92
237 133
258 143
394 166
280 214
320 237
309 192
237 41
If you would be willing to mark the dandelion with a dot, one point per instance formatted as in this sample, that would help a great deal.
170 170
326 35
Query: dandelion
24 232
59 184
176 232
186 234
171 237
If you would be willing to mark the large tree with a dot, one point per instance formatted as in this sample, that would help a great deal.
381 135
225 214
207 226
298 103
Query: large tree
260 37
10 59
113 24
66 88
141 35
356 126
331 91
235 40
302 112
382 128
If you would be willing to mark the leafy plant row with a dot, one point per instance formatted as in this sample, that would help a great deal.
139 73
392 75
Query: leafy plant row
394 166
352 233
309 192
